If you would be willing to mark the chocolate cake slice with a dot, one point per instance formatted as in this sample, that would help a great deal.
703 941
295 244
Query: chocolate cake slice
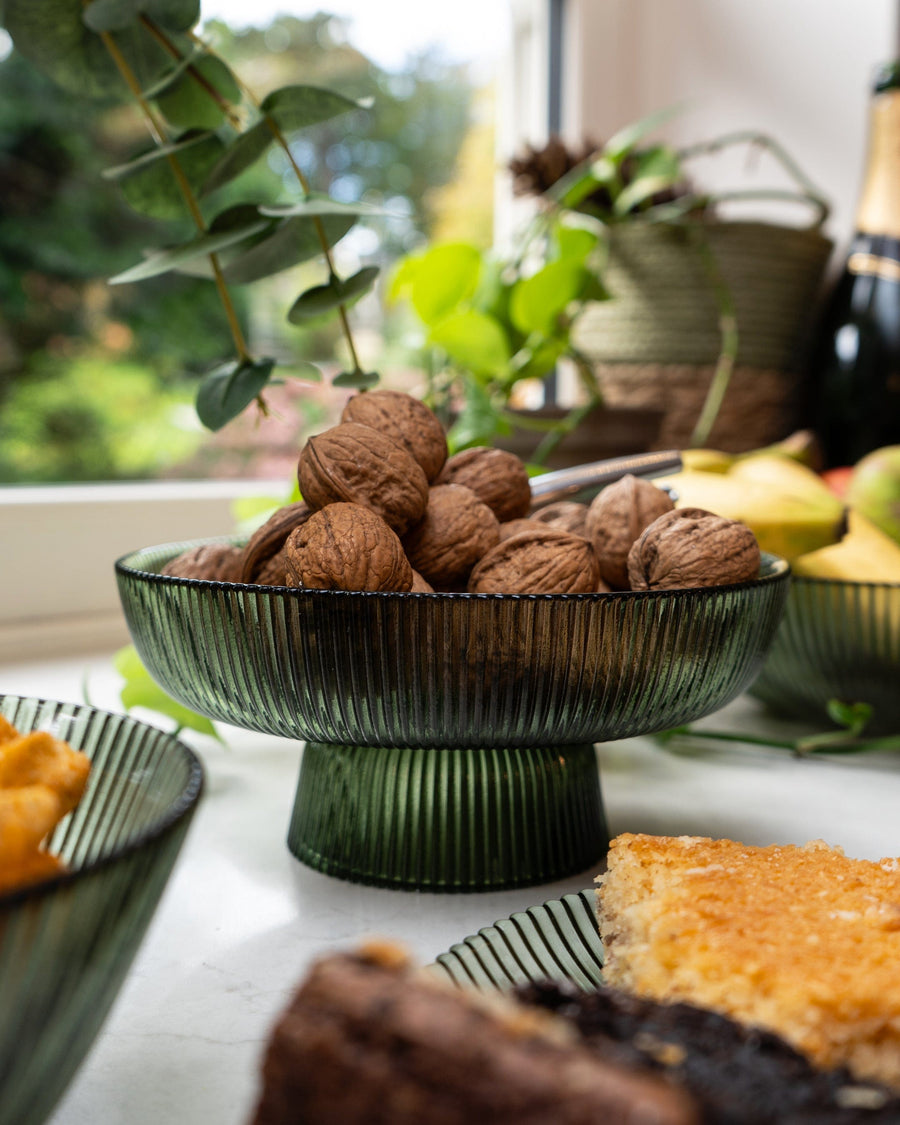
370 1040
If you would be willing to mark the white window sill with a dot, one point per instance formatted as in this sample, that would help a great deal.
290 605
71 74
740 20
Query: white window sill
58 544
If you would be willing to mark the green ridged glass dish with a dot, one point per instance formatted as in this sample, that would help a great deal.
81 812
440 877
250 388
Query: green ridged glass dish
66 945
837 640
556 941
377 682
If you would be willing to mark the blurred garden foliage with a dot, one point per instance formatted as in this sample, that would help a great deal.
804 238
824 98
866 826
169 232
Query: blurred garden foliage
97 382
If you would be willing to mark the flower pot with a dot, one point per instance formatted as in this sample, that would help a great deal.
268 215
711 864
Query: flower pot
656 343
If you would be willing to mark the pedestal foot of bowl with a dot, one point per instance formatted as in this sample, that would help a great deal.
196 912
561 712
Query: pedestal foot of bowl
450 819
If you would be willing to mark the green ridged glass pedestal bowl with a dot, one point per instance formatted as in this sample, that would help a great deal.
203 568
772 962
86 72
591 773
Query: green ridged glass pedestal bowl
449 737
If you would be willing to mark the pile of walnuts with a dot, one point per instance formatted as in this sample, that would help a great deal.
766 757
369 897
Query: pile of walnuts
385 508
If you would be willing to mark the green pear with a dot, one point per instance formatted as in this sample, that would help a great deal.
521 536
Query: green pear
874 489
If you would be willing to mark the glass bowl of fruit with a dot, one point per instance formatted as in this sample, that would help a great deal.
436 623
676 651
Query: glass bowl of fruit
449 716
75 903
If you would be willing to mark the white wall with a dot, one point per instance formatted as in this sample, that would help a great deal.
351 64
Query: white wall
799 70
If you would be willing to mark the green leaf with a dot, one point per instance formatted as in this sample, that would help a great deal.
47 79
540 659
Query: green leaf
336 291
115 15
445 277
163 261
478 421
358 380
539 359
52 35
298 107
290 108
658 170
575 244
316 205
623 142
140 690
852 716
188 102
287 244
538 301
475 341
227 390
303 370
149 183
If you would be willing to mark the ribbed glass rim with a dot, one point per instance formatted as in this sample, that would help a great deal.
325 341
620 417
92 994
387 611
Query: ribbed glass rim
773 569
168 818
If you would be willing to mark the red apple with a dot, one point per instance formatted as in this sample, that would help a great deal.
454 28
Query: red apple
838 479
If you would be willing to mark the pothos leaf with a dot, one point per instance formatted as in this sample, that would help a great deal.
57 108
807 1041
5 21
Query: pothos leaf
140 690
227 390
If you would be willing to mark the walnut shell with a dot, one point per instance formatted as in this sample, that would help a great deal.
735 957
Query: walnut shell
215 562
513 527
692 547
346 547
405 420
456 530
419 585
269 538
566 514
351 463
497 478
616 517
543 560
273 572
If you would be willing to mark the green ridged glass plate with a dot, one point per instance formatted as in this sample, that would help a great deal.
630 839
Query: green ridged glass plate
66 945
837 640
556 941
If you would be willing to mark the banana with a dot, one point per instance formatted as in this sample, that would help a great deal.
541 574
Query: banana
865 554
785 505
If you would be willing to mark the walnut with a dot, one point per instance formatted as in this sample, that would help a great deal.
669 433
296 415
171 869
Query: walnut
355 464
543 560
269 538
566 514
346 547
215 562
405 420
513 527
273 572
692 547
456 530
497 478
419 585
616 517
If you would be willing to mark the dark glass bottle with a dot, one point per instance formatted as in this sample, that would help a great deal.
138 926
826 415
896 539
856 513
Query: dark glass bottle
856 370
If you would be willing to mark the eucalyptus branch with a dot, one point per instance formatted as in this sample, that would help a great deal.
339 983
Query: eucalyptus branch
835 742
158 133
281 141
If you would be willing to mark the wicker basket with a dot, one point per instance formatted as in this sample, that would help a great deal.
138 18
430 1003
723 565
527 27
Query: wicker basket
657 342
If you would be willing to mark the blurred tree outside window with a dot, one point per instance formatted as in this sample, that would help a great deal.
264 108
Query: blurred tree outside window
97 382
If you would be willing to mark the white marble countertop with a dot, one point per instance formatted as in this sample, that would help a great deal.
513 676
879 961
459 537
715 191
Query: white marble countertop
241 918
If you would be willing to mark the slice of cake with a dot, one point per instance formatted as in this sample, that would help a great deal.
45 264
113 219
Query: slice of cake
802 941
370 1040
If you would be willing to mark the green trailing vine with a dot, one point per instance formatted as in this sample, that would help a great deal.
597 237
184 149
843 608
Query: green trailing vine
206 129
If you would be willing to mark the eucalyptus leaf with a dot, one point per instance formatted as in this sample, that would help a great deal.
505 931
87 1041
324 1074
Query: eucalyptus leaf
52 35
356 380
475 341
166 80
288 109
227 390
189 103
315 204
289 243
335 292
140 690
149 183
176 15
164 261
114 15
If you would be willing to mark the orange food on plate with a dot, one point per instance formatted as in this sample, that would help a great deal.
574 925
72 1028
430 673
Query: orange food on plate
41 780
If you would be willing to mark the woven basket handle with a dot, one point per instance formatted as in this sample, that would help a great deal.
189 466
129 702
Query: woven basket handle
806 193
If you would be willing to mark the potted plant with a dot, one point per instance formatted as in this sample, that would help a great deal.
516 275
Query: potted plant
631 275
